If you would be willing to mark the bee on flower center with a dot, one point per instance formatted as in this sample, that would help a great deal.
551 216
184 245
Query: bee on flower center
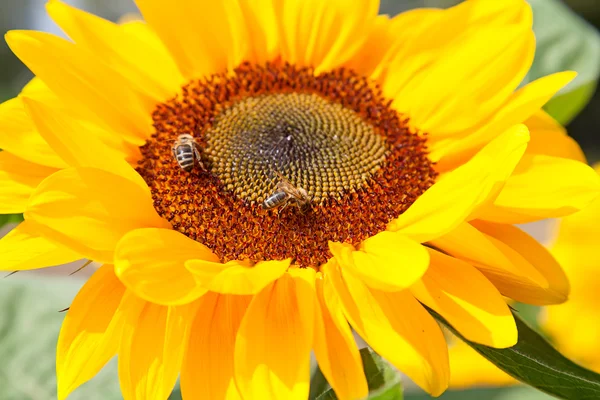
186 152
287 194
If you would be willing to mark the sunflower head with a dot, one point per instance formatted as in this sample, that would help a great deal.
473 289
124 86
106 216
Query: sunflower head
332 135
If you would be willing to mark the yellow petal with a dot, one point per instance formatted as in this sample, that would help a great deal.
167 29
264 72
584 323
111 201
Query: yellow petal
396 326
387 261
89 210
18 135
150 262
518 108
150 71
467 300
436 34
239 278
459 194
37 89
63 134
557 287
323 35
263 29
371 59
18 180
151 353
336 350
397 43
550 138
207 371
272 350
24 249
203 37
468 82
90 333
544 187
85 83
488 254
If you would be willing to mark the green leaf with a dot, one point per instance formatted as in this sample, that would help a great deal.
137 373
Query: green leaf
565 107
565 42
535 362
383 379
29 326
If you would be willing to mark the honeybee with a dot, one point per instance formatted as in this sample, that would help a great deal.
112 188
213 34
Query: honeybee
186 152
287 194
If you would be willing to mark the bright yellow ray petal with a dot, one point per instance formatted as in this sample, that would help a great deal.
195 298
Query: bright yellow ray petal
396 326
150 262
550 138
207 371
263 29
37 88
24 249
469 244
151 354
91 331
509 271
467 82
434 32
544 187
460 193
272 350
372 57
19 136
85 83
467 300
521 105
387 261
89 210
336 350
323 35
557 289
18 180
239 278
63 134
204 37
398 43
150 71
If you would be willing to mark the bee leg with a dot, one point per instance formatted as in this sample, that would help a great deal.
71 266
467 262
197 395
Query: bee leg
198 156
282 208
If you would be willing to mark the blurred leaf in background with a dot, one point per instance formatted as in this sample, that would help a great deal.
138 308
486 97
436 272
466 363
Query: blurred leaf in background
28 344
565 41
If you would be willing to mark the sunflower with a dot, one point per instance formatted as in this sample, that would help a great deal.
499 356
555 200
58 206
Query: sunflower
400 152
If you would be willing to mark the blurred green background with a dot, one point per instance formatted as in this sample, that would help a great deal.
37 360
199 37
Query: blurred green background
29 321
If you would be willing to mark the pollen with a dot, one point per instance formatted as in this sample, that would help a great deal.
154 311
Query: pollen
332 135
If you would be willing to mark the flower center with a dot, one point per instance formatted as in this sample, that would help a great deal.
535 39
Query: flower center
322 147
288 160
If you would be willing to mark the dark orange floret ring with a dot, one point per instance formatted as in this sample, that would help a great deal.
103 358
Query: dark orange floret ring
333 136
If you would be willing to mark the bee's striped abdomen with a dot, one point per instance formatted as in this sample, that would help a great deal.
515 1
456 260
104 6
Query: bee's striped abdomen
184 154
274 200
